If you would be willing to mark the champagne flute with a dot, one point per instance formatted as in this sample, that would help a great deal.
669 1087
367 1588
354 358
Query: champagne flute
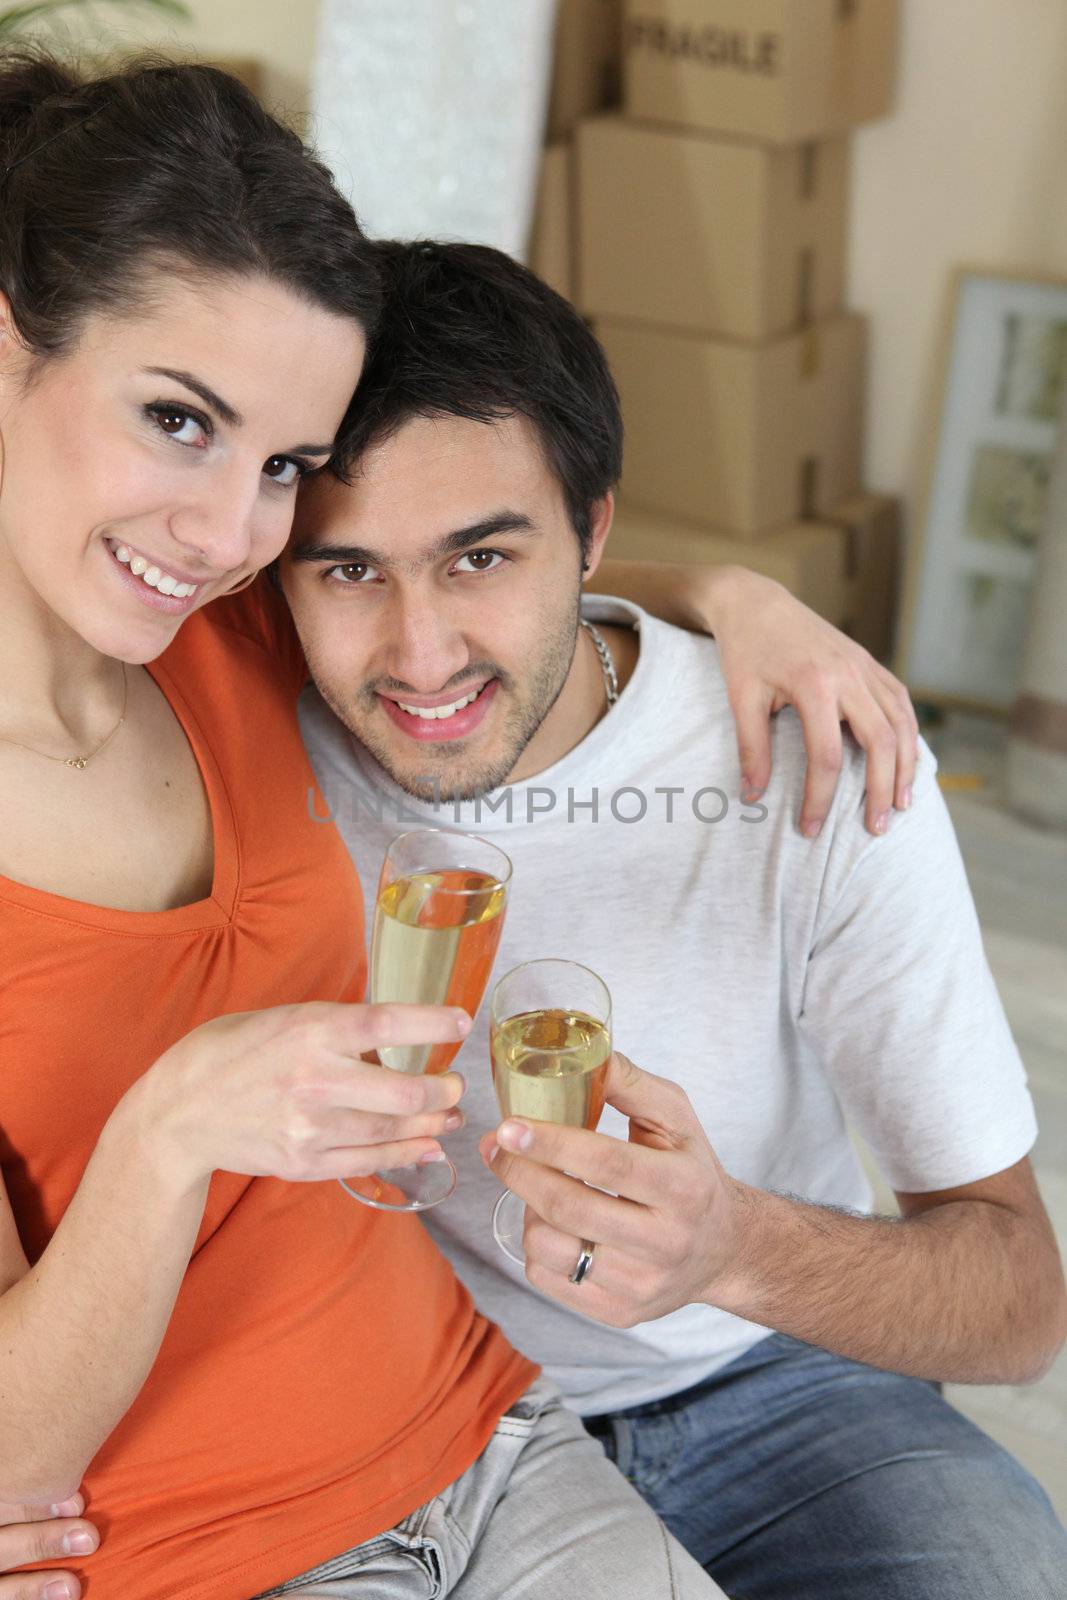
550 1043
437 924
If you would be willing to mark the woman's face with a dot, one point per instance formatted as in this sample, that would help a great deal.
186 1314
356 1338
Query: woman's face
156 465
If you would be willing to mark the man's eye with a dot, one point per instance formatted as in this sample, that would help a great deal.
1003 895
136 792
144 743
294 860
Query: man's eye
481 561
352 572
180 424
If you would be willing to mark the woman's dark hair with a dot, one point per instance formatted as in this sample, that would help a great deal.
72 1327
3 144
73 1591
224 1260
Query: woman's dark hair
102 179
467 332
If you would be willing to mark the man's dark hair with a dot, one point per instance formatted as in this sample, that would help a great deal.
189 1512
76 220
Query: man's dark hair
467 332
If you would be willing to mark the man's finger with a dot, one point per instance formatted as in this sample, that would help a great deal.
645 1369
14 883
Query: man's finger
611 1165
661 1109
571 1207
752 715
822 742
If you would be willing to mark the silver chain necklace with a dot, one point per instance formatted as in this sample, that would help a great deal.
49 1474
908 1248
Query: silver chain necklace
607 665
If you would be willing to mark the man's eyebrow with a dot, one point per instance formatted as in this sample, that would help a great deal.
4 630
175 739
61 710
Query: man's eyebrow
461 539
231 417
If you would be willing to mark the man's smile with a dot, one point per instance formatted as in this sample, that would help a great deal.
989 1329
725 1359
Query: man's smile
432 721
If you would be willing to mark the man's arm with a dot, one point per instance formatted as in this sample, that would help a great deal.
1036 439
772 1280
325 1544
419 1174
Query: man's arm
777 652
965 1287
894 1007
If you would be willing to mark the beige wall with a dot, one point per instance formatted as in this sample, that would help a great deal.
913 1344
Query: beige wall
971 169
278 33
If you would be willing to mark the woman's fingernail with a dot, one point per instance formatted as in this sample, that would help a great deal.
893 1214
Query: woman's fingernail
905 799
750 793
881 824
61 1590
67 1508
431 1155
811 830
78 1543
463 1021
454 1120
515 1136
494 1151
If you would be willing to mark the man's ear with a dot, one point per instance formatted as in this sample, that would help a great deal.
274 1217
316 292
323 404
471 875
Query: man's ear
601 515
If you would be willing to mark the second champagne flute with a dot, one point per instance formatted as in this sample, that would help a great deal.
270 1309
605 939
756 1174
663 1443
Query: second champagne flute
437 925
550 1041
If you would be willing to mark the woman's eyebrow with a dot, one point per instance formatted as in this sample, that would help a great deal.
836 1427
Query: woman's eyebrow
233 418
223 409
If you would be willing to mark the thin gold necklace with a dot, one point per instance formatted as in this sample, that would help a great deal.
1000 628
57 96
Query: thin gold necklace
79 763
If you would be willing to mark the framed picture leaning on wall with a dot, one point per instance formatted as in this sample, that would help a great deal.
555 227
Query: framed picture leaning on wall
971 558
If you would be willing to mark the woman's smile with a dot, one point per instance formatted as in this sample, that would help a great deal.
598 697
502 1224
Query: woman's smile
155 586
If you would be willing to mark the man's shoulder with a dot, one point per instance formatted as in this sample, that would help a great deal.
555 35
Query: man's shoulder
671 659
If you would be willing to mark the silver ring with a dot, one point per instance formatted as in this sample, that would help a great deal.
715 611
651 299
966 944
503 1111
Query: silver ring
583 1266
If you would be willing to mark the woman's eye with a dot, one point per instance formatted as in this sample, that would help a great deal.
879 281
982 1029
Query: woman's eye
185 427
284 470
352 572
481 561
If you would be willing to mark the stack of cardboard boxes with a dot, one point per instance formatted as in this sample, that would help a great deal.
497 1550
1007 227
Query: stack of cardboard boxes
703 233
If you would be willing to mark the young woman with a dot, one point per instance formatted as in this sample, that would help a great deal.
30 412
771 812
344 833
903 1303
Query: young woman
252 1374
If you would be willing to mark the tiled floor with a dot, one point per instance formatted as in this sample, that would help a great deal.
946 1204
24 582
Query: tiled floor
1019 878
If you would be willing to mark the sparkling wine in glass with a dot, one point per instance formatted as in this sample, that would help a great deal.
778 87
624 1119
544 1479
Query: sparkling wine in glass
437 925
550 1043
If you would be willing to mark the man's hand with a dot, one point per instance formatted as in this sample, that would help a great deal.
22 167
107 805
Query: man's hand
665 1230
776 652
43 1533
934 1293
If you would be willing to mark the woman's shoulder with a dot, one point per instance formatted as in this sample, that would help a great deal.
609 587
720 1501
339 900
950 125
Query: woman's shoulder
255 624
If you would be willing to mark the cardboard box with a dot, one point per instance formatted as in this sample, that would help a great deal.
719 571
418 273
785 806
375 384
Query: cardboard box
551 252
713 235
810 559
871 525
740 436
777 70
587 63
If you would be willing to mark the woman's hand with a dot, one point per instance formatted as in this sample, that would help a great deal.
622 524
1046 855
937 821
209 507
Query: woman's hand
286 1093
43 1533
777 652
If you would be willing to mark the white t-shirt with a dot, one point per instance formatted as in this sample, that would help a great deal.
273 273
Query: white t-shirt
785 984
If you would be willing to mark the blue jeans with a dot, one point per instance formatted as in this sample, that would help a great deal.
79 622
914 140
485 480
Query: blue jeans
792 1473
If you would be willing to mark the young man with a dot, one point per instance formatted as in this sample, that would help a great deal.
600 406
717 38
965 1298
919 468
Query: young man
760 1356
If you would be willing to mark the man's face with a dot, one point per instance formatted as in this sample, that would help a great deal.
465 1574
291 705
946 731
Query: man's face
446 578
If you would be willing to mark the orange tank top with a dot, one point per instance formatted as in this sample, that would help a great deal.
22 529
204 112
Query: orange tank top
324 1372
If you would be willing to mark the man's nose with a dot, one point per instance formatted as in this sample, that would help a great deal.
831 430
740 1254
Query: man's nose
425 649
